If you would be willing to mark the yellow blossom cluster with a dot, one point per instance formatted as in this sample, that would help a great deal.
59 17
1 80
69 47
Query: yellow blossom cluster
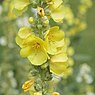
39 51
41 43
45 46
52 47
55 8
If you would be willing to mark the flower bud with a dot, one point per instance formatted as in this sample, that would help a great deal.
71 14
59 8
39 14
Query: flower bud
39 26
27 85
30 20
55 93
46 22
41 11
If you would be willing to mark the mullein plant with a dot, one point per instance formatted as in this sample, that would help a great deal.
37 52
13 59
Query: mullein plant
44 46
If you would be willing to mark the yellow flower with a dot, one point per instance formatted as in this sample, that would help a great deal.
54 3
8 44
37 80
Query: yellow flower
58 63
38 54
55 3
41 11
54 39
32 47
58 14
56 8
21 4
27 85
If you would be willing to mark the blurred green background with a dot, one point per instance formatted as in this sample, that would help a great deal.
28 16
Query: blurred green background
86 45
14 69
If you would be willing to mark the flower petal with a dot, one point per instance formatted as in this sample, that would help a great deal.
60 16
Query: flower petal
60 43
19 12
58 35
51 30
61 57
24 32
21 4
54 39
19 41
56 4
38 57
26 51
58 14
51 49
58 68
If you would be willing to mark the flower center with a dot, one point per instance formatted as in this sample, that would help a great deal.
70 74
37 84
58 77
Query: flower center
50 37
36 45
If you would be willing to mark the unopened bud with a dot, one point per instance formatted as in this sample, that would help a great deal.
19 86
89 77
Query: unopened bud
46 22
41 11
39 26
55 93
30 20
